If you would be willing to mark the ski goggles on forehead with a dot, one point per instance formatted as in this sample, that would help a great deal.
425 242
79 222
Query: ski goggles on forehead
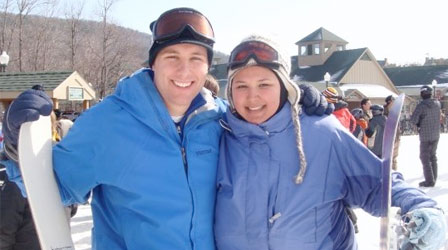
172 24
261 52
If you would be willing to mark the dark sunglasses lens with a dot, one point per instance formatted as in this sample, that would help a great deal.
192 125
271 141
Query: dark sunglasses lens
261 51
172 23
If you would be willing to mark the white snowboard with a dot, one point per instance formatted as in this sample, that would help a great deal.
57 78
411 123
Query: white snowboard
35 160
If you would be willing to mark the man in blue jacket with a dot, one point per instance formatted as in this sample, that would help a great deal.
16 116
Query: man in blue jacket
148 152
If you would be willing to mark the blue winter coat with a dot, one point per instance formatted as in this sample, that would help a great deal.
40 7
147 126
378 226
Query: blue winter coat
128 151
260 207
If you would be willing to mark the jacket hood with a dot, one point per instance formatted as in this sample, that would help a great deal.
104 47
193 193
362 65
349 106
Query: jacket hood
430 103
340 105
275 124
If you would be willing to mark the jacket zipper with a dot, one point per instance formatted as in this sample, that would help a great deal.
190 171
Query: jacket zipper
184 160
274 218
182 150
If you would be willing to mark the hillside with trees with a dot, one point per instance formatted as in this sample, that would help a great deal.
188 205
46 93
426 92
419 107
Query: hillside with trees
99 50
51 35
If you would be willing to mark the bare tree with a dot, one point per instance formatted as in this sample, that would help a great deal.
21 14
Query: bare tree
73 17
100 51
8 23
5 6
107 41
42 37
24 7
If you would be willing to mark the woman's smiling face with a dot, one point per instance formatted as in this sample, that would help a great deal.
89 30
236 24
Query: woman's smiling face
256 93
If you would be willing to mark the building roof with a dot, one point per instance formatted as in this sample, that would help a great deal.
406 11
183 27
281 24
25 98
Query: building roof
20 81
414 90
382 63
418 75
370 90
321 34
336 65
65 85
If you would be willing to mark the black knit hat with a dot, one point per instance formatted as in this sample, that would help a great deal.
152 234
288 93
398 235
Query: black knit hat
186 35
389 99
377 109
357 113
426 92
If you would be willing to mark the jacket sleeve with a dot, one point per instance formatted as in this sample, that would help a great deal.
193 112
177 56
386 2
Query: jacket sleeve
362 186
352 122
60 166
372 127
406 197
76 157
415 117
360 171
13 174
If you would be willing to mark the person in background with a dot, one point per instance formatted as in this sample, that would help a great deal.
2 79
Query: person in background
442 122
340 109
17 229
365 106
284 178
361 125
62 124
426 117
157 189
389 101
212 85
55 136
375 130
57 133
347 120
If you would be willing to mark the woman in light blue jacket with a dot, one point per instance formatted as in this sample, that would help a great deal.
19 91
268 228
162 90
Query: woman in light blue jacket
284 179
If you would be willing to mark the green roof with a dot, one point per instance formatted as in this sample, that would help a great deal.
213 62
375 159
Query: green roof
20 81
337 65
322 34
418 75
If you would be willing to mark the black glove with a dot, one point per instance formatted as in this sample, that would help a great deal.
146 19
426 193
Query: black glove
25 108
313 102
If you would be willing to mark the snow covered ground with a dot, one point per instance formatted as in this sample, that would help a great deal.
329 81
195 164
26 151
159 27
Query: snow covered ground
409 164
368 237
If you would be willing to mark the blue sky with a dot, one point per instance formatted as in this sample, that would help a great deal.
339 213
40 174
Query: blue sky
403 31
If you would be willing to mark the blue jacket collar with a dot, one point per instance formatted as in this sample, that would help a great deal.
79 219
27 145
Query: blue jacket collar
276 124
137 94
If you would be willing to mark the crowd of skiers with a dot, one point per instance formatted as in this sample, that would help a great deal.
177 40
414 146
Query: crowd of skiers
267 170
367 124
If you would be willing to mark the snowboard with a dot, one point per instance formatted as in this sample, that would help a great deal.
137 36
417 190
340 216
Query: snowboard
35 160
387 154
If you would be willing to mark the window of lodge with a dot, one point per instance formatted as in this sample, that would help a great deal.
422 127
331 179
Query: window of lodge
316 49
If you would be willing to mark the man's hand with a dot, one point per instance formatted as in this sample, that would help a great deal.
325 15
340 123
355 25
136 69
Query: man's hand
313 102
27 107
